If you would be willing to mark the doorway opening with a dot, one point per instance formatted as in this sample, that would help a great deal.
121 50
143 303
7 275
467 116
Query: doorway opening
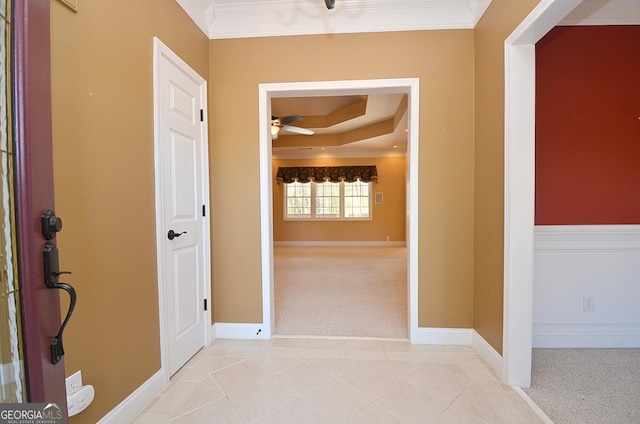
340 267
519 154
267 92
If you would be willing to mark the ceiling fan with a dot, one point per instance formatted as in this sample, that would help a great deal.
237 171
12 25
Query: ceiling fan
278 124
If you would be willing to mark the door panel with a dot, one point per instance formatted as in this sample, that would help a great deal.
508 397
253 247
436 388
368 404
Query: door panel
183 166
182 152
187 290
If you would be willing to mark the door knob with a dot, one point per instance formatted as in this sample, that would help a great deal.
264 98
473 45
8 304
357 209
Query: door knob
51 224
172 234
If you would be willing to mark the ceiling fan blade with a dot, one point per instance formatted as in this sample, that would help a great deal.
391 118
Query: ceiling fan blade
297 130
286 120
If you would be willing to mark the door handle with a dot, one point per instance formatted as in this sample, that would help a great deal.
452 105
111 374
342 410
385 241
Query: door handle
172 234
51 224
51 274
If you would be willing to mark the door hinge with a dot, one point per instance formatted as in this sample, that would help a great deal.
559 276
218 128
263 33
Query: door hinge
204 210
205 304
201 115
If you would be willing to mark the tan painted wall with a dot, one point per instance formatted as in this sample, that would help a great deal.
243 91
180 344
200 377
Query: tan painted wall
104 180
443 60
498 22
388 217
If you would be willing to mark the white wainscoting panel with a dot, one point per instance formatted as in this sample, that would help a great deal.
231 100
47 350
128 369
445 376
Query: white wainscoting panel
571 262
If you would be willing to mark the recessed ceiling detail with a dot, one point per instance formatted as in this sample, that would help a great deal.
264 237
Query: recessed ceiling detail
265 18
335 117
373 124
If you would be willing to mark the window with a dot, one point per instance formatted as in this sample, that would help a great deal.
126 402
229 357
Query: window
327 200
298 198
357 201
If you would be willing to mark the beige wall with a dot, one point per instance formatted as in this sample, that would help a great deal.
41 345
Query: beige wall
104 180
388 218
443 60
498 22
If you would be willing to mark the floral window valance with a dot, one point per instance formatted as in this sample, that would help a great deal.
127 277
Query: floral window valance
335 174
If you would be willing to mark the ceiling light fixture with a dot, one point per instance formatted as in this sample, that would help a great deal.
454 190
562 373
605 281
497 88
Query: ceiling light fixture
330 3
275 127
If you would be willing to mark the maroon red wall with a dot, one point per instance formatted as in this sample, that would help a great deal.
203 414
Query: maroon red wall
588 126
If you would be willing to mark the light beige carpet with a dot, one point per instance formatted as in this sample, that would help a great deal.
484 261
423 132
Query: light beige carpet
341 291
587 386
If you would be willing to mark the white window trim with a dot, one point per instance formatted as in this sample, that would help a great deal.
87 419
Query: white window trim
313 218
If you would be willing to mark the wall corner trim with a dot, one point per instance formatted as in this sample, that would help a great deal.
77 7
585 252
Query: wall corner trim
135 403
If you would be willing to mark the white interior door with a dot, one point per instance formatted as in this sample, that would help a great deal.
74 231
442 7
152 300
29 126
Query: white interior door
181 161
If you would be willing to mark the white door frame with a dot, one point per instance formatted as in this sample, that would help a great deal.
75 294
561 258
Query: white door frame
409 86
519 189
161 50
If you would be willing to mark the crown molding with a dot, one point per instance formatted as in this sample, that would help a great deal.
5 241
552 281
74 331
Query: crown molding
220 19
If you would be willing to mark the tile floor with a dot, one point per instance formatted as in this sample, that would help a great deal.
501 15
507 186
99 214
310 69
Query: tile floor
309 380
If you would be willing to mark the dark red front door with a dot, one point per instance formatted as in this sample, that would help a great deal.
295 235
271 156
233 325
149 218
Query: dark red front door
33 195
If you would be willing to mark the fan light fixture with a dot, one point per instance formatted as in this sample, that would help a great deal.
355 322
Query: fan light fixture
278 124
275 127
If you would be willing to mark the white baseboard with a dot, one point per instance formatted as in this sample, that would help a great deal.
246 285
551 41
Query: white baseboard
586 335
135 403
444 336
226 330
488 353
340 243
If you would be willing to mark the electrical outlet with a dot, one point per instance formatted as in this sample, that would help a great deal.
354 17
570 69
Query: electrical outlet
74 383
588 303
